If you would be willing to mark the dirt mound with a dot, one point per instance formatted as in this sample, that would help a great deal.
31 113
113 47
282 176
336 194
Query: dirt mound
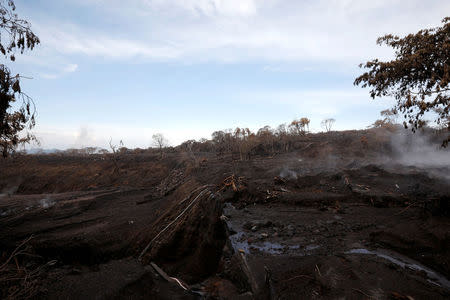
187 240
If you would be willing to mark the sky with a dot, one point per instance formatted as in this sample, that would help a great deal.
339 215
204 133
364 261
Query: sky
125 70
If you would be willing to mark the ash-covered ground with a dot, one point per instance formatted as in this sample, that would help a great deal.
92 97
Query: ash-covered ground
326 220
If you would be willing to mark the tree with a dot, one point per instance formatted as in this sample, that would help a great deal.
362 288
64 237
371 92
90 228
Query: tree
298 127
294 127
283 137
159 141
304 123
418 78
267 137
390 115
388 121
15 35
327 124
242 136
115 154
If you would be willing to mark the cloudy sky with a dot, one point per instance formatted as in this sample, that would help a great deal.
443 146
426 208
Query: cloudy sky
185 68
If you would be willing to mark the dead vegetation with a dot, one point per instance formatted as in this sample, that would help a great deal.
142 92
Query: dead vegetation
20 279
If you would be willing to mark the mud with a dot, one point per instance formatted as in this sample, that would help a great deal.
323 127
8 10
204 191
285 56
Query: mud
299 225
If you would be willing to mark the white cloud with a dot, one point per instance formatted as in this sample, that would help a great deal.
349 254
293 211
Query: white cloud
243 30
70 68
71 39
210 8
59 72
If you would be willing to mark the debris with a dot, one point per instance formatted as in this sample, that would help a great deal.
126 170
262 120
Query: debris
247 271
164 275
279 180
171 182
347 183
399 296
300 276
364 187
165 228
361 292
24 280
271 195
268 280
318 271
236 183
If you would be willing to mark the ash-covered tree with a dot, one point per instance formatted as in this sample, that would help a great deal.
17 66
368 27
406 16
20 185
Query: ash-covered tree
418 77
327 124
17 111
299 127
159 141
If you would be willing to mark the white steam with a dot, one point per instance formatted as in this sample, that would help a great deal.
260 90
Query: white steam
420 150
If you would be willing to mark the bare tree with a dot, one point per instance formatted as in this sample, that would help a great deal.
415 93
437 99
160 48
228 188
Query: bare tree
390 115
159 141
267 137
283 137
327 124
304 123
299 127
115 155
243 138
295 127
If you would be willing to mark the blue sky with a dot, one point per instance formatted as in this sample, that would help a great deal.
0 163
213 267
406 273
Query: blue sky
129 69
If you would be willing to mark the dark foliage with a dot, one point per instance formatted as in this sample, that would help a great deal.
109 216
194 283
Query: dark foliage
15 35
418 78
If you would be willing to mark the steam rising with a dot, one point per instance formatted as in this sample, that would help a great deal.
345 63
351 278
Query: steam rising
420 150
288 174
46 202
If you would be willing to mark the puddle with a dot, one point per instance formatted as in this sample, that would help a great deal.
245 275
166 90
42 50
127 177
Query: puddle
312 247
407 263
268 247
240 243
